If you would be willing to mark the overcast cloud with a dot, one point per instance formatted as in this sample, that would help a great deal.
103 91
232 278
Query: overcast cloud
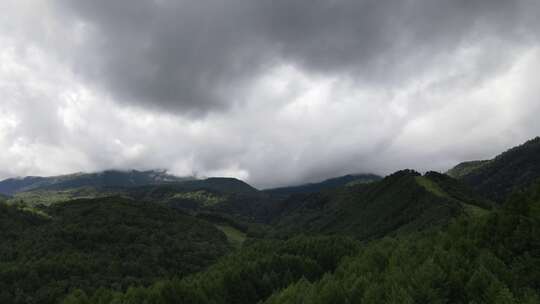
273 92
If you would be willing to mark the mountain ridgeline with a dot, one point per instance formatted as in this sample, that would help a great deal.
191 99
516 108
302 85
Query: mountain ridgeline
469 236
110 178
496 179
332 183
403 201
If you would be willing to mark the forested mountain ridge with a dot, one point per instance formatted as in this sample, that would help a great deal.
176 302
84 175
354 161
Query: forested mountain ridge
103 243
407 238
512 170
492 258
403 201
331 183
104 179
223 195
465 168
226 197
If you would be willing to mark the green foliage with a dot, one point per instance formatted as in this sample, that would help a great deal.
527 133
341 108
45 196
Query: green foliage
457 191
87 244
493 259
48 197
202 197
224 197
234 236
3 198
397 203
416 239
489 259
329 184
431 186
466 168
105 179
513 170
249 276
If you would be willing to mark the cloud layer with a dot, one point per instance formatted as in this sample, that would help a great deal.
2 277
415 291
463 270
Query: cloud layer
275 92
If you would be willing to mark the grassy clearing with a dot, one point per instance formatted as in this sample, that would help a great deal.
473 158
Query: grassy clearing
465 168
475 211
204 198
431 186
50 197
234 236
36 212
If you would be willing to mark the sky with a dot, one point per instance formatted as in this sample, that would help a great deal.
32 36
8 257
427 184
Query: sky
274 92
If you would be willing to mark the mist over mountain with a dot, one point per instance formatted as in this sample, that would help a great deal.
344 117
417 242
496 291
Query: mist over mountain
350 179
104 179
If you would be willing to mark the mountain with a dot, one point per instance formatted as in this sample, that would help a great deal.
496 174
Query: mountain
405 238
466 168
112 243
331 183
224 197
109 178
220 184
491 258
512 170
403 201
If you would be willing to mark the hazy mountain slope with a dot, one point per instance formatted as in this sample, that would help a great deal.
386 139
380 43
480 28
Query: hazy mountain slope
402 201
465 168
324 185
222 196
512 170
458 190
111 243
194 192
11 186
110 178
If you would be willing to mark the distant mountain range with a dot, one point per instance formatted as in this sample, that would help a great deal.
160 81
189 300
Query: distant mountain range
363 205
136 236
109 178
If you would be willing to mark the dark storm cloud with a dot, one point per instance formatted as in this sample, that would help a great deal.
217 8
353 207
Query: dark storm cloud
274 92
192 56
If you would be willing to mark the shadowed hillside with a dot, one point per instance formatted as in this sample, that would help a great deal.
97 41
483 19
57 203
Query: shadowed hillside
331 183
512 170
403 201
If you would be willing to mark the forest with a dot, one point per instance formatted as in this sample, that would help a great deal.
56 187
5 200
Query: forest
404 238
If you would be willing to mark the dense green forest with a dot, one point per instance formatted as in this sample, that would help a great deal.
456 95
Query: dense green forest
405 238
510 171
332 183
403 201
111 243
494 258
490 259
